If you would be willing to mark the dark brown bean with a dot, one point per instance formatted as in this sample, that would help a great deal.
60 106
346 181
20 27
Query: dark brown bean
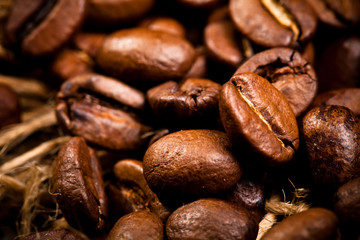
338 13
199 4
346 97
62 234
289 72
347 201
143 55
89 42
78 186
106 118
191 163
42 27
194 99
10 109
274 23
211 219
199 66
256 114
312 224
138 225
109 12
332 140
164 24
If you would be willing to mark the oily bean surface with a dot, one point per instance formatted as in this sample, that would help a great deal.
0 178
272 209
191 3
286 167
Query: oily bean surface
211 219
78 186
137 225
143 55
312 224
191 163
164 24
256 114
332 140
289 72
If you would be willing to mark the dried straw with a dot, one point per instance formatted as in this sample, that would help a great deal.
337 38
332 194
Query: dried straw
266 224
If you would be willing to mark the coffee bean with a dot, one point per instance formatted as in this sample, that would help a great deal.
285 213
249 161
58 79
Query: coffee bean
102 110
347 201
142 55
256 115
332 140
78 186
191 163
274 23
199 66
10 109
53 234
289 72
211 219
89 42
196 4
138 225
41 27
346 97
194 99
338 13
312 224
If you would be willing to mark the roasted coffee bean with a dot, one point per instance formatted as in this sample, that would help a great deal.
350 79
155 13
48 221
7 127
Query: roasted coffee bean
191 163
143 55
312 224
10 109
138 225
332 140
338 64
192 100
62 234
219 14
338 13
199 66
289 72
346 97
347 201
249 194
211 219
256 115
164 24
129 173
274 23
111 13
70 63
78 186
89 42
41 27
200 4
222 43
101 109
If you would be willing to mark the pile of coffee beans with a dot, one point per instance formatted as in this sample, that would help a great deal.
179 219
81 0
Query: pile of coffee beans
186 116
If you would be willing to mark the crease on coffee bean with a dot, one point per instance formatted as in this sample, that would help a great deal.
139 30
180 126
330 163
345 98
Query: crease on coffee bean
283 142
337 15
283 16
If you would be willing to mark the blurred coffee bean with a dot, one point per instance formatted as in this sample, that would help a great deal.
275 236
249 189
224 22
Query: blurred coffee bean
142 55
89 42
103 111
108 13
346 97
338 65
69 63
10 109
337 13
257 117
199 66
53 234
78 187
41 27
211 219
191 163
194 100
200 4
312 224
347 202
289 72
272 23
164 24
138 225
249 194
332 140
